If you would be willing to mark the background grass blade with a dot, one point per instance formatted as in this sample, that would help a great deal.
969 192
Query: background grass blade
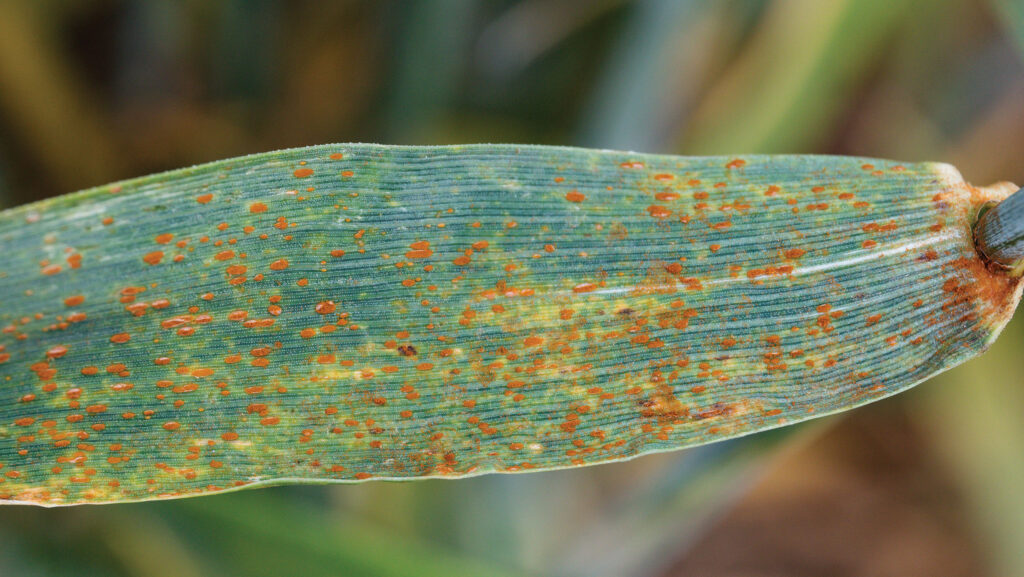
778 96
645 78
51 109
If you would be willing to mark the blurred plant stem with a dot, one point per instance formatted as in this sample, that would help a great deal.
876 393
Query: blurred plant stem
526 30
431 53
53 115
1011 13
800 67
643 82
148 547
973 415
655 521
245 60
5 192
1001 122
307 542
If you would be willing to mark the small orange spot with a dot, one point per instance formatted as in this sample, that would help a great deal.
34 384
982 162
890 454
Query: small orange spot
659 211
575 196
120 338
74 301
303 173
418 253
172 425
257 207
279 264
204 198
154 257
420 249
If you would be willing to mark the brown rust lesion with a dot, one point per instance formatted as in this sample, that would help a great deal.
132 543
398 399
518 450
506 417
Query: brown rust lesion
663 405
718 409
992 292
658 278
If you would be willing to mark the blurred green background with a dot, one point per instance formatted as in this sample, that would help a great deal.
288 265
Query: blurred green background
927 483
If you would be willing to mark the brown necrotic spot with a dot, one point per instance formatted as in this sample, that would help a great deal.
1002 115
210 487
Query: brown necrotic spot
663 406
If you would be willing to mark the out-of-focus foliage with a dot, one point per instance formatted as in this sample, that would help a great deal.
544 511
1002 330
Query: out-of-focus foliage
97 90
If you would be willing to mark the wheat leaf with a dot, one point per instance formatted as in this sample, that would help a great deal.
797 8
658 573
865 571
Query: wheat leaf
351 312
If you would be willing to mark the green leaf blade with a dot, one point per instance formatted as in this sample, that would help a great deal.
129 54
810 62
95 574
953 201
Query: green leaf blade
353 312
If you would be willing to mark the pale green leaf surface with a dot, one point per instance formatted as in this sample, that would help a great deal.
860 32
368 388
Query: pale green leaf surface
353 312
